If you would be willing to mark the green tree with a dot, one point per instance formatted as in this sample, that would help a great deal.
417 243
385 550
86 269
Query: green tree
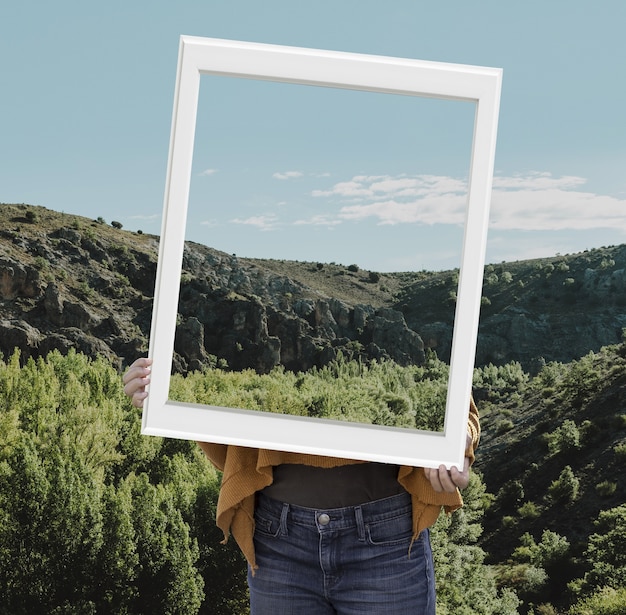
605 601
465 585
565 488
606 551
93 517
564 439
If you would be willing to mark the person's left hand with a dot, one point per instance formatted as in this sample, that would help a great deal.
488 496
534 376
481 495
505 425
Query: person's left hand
443 479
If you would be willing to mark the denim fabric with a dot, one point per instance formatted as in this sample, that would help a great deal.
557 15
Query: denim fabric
359 561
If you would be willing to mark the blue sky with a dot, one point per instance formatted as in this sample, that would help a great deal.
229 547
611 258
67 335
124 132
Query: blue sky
283 171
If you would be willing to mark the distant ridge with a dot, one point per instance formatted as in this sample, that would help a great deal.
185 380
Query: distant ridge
68 281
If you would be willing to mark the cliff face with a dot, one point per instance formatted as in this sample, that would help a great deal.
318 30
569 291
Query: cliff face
67 281
552 309
71 282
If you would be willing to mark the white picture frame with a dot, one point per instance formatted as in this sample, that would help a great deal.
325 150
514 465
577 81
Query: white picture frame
332 69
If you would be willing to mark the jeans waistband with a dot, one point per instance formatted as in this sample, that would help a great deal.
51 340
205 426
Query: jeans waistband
350 516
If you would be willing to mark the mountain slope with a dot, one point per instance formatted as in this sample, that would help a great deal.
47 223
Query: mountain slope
70 281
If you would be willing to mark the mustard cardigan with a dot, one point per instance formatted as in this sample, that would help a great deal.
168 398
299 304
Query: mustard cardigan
248 470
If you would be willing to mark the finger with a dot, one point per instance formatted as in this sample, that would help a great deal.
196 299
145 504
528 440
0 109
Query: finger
136 378
460 479
136 390
136 384
141 367
137 374
445 479
432 474
138 399
439 478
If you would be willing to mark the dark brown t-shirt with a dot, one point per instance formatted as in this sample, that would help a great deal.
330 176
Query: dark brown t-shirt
337 487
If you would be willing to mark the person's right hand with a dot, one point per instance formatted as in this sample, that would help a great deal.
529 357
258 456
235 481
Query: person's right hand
136 378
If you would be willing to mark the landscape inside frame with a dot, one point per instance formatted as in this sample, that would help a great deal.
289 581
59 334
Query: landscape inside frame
312 256
308 252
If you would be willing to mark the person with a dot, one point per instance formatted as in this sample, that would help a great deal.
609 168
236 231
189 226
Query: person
324 535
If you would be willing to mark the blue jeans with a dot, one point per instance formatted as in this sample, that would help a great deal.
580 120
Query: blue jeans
342 561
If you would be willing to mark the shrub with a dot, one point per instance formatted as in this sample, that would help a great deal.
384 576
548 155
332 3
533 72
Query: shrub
41 263
524 578
564 439
528 510
606 601
504 425
374 277
606 488
620 452
353 268
511 493
565 488
606 551
116 224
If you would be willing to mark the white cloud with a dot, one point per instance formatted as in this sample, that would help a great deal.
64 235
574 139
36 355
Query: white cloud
208 172
540 202
425 199
287 175
536 201
536 180
430 210
319 220
263 223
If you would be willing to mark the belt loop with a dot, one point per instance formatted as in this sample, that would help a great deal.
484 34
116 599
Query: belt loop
283 519
360 525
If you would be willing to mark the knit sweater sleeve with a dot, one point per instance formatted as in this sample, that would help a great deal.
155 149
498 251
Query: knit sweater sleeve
473 430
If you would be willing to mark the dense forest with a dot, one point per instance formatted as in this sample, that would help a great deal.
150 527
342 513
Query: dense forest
95 518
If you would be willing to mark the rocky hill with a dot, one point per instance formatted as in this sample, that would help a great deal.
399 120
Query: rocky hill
68 281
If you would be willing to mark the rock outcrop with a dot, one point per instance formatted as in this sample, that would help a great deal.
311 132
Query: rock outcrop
69 282
90 287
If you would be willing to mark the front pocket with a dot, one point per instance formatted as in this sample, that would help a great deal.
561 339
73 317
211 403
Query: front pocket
390 531
266 525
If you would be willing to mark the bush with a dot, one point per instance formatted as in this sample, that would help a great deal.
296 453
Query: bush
116 224
606 601
504 425
565 488
606 488
564 439
528 510
620 452
606 551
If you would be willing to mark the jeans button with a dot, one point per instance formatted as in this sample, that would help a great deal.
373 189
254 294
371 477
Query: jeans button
323 519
